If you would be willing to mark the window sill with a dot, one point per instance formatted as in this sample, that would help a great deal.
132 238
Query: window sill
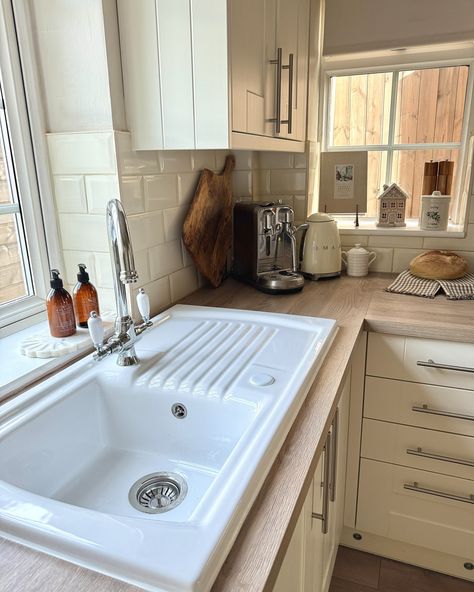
19 371
368 226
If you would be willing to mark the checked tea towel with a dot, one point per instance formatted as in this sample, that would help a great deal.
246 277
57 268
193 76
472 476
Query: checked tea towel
460 289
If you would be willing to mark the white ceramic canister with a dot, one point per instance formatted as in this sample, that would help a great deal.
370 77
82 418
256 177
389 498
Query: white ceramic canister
357 260
434 211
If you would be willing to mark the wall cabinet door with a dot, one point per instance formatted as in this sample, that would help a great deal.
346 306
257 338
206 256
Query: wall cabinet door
292 35
252 43
177 58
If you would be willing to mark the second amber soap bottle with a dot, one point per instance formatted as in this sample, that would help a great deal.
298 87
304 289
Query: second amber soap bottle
85 297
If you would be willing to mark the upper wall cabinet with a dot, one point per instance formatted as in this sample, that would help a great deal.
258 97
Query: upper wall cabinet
215 73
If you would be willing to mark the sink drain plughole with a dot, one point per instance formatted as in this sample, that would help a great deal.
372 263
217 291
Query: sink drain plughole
158 492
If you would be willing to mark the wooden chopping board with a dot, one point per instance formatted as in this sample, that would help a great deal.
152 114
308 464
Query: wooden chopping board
207 229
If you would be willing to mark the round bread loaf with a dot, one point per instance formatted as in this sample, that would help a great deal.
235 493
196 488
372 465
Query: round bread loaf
439 265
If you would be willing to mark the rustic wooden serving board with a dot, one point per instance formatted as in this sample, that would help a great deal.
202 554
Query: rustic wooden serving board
207 229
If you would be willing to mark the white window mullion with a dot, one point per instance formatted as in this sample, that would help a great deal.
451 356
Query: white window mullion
391 127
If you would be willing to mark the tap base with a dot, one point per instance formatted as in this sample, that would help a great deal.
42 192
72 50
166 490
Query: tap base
128 358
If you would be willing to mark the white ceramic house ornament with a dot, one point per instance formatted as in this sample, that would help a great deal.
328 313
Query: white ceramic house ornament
391 206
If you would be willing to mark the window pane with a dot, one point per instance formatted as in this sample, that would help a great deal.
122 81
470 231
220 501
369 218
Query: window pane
430 105
360 109
12 279
5 195
408 169
376 172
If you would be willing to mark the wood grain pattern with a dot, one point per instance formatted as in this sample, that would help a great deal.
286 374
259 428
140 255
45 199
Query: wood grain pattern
207 229
254 560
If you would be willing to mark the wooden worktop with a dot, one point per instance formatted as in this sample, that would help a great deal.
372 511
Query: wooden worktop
254 560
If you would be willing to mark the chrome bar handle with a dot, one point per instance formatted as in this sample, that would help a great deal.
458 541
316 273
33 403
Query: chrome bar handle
457 498
425 409
432 364
290 68
334 440
279 64
324 516
420 452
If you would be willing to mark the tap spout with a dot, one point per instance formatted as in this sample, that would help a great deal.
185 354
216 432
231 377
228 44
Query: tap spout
123 264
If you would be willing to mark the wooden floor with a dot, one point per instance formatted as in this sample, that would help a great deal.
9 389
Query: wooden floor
356 571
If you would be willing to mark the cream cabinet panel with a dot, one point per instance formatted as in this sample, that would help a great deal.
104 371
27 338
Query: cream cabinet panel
292 35
210 79
394 400
141 98
388 509
174 50
396 357
317 537
428 450
253 76
199 73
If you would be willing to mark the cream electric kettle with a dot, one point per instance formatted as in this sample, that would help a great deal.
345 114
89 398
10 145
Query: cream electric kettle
320 248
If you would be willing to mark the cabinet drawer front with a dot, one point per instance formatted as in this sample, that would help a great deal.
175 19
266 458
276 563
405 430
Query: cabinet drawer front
394 400
386 508
392 356
428 450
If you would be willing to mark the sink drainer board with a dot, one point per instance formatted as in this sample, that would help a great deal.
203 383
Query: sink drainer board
158 492
200 421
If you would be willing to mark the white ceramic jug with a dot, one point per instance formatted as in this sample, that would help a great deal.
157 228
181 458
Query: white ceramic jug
357 260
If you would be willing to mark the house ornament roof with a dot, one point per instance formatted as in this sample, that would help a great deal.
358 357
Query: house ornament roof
393 192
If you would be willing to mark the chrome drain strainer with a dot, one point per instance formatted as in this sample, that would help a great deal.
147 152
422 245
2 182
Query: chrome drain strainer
158 492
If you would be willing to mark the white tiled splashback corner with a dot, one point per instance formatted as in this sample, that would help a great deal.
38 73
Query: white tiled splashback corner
394 253
89 168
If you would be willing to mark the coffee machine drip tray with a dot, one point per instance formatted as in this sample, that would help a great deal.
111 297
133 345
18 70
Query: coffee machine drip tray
280 281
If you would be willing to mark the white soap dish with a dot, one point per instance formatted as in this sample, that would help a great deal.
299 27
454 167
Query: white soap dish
43 345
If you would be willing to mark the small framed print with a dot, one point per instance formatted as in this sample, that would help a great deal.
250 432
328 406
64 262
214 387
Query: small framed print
343 182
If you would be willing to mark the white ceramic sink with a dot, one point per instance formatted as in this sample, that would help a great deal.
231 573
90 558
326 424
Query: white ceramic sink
72 447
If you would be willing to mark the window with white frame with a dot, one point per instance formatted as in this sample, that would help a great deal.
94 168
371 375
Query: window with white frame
403 118
15 274
23 251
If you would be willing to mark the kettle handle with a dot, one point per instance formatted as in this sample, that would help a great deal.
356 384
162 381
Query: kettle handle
304 227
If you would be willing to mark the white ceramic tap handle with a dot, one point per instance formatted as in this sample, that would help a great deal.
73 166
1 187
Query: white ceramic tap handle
96 329
143 303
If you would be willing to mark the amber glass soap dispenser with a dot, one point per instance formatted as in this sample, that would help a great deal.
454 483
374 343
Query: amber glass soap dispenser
60 308
85 297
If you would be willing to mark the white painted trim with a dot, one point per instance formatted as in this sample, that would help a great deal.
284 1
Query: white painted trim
368 227
242 141
38 129
26 171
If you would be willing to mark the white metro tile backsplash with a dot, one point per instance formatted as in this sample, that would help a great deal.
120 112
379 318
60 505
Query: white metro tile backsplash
99 190
70 194
161 192
80 153
165 259
155 189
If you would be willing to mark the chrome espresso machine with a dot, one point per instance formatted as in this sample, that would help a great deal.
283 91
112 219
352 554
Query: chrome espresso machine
265 252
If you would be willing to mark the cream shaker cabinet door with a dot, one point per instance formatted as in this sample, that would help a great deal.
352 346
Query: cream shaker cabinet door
417 507
252 47
158 76
292 36
296 563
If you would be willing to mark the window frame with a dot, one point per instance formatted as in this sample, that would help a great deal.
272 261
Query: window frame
384 62
28 143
